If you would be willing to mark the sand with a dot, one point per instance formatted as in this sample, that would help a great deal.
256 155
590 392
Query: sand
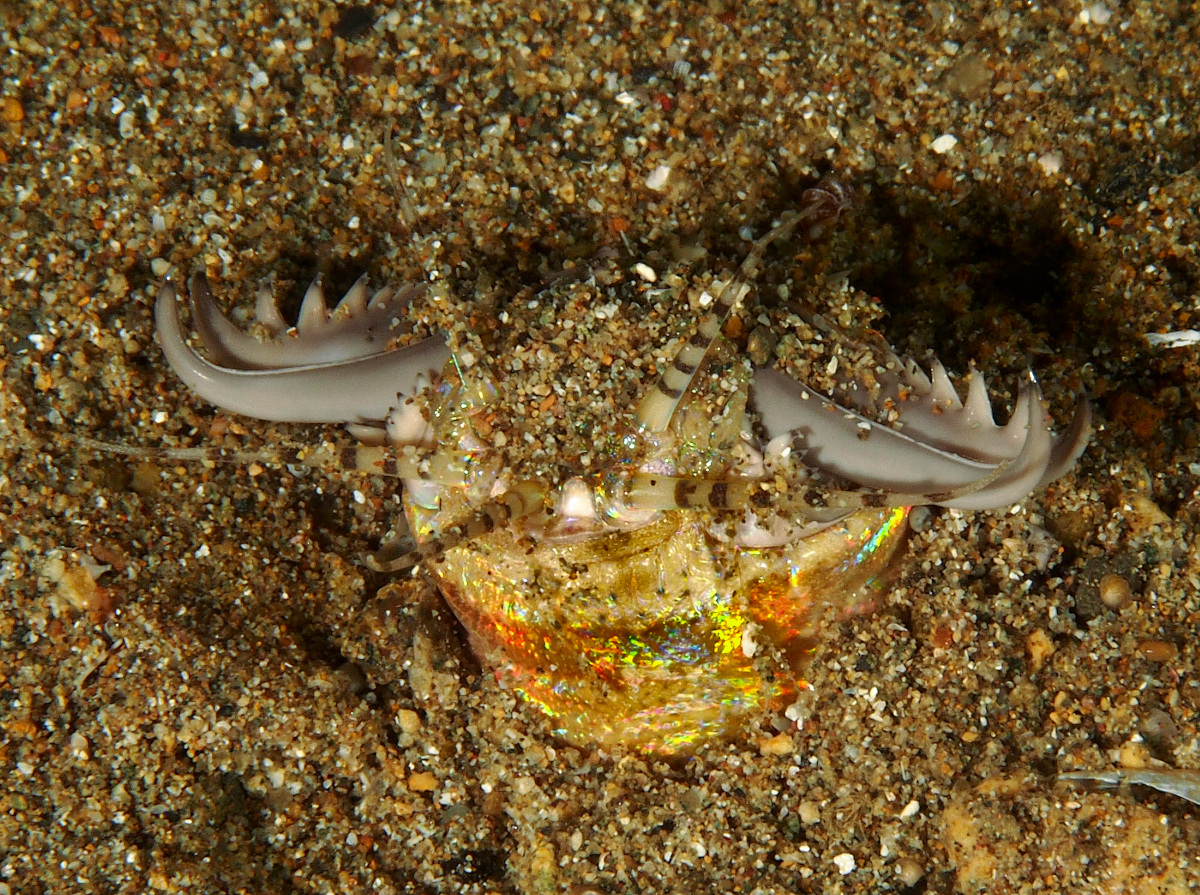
203 689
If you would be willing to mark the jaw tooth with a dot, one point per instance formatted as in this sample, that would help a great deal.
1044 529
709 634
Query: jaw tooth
1024 413
752 459
313 312
978 404
915 378
407 425
381 298
778 449
575 501
367 434
266 308
354 301
942 391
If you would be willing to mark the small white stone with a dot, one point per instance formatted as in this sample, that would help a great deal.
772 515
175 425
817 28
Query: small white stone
1051 162
910 810
749 644
646 272
944 144
159 266
658 177
845 863
1097 13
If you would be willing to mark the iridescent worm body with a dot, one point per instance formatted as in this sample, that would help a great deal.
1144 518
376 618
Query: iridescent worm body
627 586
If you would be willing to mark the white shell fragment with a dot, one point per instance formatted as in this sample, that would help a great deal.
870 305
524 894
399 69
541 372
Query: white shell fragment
1178 339
657 180
944 144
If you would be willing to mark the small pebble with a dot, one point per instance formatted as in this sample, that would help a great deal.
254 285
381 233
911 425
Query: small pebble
1159 728
11 110
80 747
423 781
1158 650
761 345
1095 13
658 177
845 863
646 272
410 721
1114 591
1134 755
1040 648
920 519
909 871
1051 162
944 144
776 745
